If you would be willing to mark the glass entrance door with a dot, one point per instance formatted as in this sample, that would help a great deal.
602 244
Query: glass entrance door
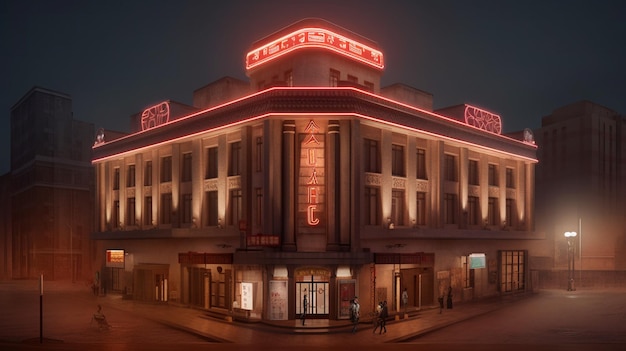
317 298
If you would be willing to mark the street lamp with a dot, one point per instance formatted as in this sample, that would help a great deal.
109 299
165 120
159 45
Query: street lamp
570 260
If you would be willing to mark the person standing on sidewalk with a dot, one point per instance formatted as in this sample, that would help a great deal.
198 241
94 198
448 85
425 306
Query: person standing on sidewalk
384 313
355 313
305 305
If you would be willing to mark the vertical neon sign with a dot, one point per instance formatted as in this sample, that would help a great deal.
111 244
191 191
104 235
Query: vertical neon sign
312 174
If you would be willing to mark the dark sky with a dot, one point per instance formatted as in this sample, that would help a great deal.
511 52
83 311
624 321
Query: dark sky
519 59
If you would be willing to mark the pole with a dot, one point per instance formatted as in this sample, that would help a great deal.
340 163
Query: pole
580 250
41 309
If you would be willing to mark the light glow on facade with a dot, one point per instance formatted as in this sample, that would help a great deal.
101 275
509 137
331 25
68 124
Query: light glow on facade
315 38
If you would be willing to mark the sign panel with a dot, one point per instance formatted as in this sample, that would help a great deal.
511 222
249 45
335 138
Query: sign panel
315 38
115 258
477 260
247 299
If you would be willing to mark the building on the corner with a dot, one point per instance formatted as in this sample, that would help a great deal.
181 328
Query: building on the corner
581 187
312 179
51 189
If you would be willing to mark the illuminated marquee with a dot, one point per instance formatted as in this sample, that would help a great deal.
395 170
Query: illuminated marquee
155 116
311 174
483 119
115 258
315 38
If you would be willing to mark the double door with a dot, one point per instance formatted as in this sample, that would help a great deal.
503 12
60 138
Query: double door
317 303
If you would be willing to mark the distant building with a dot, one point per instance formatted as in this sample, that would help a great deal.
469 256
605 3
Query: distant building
51 191
581 187
313 180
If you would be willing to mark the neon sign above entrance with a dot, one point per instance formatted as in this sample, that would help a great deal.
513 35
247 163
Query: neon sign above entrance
315 38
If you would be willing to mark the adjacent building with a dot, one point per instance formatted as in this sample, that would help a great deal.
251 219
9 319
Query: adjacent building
50 190
311 179
581 187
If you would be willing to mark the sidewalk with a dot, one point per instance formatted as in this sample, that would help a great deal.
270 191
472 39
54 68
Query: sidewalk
220 330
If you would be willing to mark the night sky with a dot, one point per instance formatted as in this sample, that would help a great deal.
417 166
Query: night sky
518 59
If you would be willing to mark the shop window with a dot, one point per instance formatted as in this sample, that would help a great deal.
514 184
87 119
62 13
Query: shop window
512 271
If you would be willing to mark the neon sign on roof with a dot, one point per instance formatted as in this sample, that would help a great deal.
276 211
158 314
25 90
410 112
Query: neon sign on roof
315 38
483 119
155 116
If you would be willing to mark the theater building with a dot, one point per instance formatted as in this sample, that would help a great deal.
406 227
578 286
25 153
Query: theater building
312 179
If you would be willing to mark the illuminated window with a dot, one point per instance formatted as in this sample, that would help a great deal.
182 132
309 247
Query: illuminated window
397 207
259 154
166 208
236 207
234 158
211 208
166 169
211 163
186 171
131 217
421 164
147 180
334 78
130 178
147 210
371 156
371 206
450 173
116 179
510 180
185 209
493 175
473 213
512 270
493 217
397 160
473 173
420 216
449 209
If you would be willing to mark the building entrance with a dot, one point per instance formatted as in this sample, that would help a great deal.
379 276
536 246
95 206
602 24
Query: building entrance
314 284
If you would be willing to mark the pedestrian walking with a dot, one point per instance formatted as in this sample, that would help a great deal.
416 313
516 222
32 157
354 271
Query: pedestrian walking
305 305
449 301
384 313
379 309
355 313
405 298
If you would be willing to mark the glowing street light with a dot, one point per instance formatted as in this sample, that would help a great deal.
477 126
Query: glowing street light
570 260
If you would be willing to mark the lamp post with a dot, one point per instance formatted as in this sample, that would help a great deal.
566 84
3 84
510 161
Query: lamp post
570 260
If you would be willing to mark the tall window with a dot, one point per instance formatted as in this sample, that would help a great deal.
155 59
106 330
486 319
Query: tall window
116 179
372 206
211 208
236 207
510 180
492 211
186 171
259 154
147 210
147 180
473 213
371 156
334 78
397 207
259 207
493 175
420 216
473 172
510 212
166 208
130 178
421 164
397 160
449 209
185 209
115 216
512 270
450 173
166 169
211 163
131 216
234 159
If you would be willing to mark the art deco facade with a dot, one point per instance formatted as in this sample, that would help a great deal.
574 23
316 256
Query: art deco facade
312 179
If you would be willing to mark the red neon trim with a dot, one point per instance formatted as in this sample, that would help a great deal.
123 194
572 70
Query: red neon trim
315 38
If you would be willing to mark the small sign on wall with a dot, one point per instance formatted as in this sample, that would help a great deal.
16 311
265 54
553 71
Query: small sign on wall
246 296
